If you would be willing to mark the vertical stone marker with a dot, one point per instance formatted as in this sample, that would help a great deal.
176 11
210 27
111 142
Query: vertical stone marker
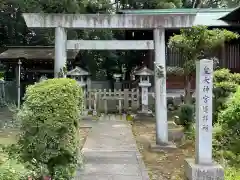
204 86
203 167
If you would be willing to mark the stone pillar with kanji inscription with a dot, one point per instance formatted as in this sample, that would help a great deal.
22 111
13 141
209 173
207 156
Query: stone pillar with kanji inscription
203 167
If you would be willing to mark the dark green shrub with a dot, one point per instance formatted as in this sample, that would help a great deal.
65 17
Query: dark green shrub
225 84
170 104
227 139
186 115
221 91
49 123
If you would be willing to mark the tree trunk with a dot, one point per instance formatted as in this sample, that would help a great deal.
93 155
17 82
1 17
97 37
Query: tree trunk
188 94
127 75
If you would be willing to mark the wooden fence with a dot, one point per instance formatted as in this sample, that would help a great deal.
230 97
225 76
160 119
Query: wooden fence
228 55
118 101
108 101
231 57
8 92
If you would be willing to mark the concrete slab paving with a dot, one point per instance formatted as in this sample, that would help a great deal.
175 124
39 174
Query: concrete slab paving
110 153
94 177
120 177
89 123
111 169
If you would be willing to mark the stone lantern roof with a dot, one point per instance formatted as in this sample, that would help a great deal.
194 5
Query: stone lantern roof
144 71
77 71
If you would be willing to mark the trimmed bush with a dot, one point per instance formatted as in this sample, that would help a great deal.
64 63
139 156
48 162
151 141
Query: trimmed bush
221 75
186 115
222 92
227 139
49 123
235 78
225 83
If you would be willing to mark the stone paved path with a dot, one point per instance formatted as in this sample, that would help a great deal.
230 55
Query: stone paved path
111 153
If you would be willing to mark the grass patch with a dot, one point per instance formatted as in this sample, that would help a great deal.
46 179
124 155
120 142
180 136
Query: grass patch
11 166
7 137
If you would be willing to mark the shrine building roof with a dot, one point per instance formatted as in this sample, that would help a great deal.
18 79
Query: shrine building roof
32 53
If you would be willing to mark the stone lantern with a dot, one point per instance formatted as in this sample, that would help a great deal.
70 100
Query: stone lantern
117 84
80 75
117 77
144 83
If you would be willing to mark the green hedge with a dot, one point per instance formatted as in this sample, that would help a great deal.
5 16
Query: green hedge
186 115
221 75
225 83
50 116
227 138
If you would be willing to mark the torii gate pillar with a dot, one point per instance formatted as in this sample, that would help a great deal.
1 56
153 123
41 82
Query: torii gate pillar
60 50
160 87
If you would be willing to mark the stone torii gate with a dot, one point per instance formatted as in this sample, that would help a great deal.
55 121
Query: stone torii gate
158 23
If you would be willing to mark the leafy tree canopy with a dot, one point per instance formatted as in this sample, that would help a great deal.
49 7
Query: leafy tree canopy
194 44
13 30
198 42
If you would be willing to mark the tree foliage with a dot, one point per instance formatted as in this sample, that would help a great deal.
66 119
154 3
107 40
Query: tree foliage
225 84
150 4
95 61
14 31
227 139
100 63
197 43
